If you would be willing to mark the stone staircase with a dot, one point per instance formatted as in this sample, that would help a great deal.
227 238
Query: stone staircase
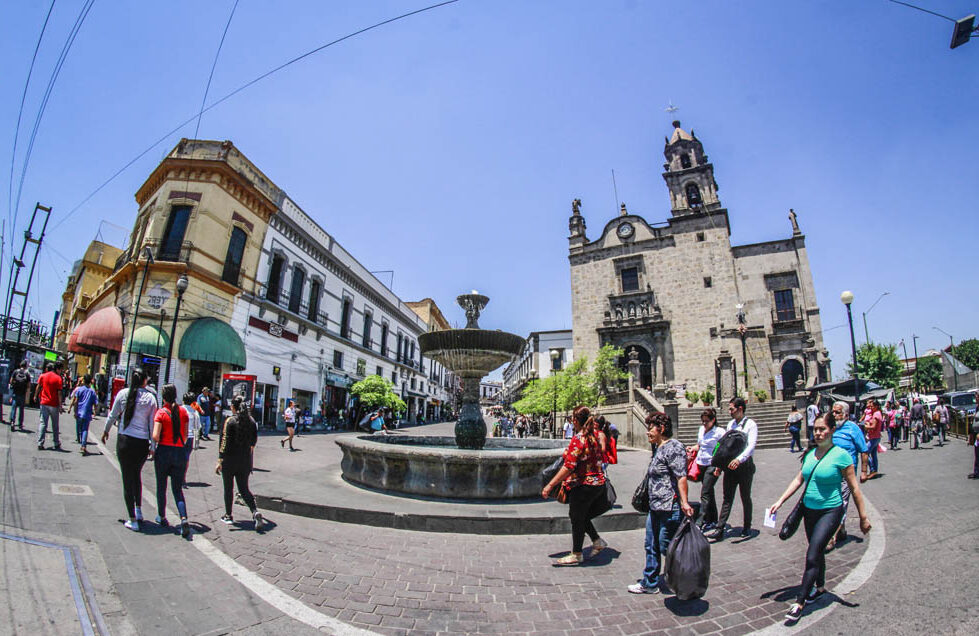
770 417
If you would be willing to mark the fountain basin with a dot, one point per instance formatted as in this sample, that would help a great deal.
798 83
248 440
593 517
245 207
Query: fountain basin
435 467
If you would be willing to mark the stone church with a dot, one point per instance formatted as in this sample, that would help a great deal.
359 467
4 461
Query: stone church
696 309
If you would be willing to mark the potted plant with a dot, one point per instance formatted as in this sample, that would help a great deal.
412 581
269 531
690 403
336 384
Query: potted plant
692 398
707 397
761 395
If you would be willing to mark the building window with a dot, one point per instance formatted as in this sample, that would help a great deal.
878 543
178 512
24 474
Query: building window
314 300
556 361
700 237
707 281
380 372
394 378
684 160
384 339
296 290
401 344
413 384
232 260
784 305
693 195
361 367
173 238
345 319
630 279
368 323
275 275
338 359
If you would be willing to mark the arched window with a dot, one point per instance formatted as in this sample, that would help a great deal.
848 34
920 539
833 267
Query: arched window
684 160
693 195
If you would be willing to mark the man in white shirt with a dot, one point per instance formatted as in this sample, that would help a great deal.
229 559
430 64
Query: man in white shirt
568 428
812 412
738 474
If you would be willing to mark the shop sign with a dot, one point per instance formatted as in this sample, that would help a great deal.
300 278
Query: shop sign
273 329
338 380
157 296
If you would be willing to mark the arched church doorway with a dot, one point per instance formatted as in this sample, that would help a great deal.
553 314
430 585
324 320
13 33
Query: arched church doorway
791 371
645 364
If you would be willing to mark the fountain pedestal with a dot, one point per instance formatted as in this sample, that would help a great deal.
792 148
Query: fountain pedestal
470 428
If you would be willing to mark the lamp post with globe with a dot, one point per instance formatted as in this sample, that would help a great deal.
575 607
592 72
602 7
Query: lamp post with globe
847 299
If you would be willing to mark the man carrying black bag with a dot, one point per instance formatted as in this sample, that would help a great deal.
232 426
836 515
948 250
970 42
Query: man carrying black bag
739 471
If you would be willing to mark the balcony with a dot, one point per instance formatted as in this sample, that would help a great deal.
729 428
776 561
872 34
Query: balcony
787 320
300 309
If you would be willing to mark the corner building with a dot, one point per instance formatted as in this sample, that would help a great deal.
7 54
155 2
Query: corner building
671 291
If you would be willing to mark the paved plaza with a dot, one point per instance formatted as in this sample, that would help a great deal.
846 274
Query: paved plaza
307 575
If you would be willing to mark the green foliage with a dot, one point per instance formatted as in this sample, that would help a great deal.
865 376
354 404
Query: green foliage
692 396
606 374
929 374
761 395
576 386
967 352
375 391
538 397
707 396
879 363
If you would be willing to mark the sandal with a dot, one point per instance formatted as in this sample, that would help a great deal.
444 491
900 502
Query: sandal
575 558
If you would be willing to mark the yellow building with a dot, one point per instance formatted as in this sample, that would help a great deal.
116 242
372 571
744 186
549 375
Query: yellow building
203 213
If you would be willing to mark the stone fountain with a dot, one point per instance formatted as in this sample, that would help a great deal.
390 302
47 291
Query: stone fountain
468 467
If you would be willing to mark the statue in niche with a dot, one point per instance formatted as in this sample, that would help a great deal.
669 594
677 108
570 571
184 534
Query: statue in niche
632 310
644 307
618 312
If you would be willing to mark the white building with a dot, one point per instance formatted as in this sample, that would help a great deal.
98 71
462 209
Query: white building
489 392
317 321
544 353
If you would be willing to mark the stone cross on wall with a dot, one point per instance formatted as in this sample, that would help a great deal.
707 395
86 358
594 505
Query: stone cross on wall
795 223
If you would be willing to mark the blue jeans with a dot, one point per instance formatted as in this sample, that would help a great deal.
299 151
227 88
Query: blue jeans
872 446
661 525
18 403
49 413
205 425
795 439
81 429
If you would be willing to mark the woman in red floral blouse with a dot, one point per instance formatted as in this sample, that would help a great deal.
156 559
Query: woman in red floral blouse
583 480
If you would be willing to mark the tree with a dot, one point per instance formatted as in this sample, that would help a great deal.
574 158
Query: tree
576 386
967 352
878 363
928 372
606 373
375 391
537 398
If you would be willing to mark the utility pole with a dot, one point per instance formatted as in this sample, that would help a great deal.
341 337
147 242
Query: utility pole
914 342
17 264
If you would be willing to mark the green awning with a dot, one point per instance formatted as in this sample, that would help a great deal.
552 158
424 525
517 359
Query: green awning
211 340
151 340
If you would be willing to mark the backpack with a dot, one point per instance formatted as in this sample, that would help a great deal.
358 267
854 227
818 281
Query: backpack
21 380
729 447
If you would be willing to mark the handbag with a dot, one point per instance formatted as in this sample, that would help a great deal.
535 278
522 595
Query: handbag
640 498
794 518
562 494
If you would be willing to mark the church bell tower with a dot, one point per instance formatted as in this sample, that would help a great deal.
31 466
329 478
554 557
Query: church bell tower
689 176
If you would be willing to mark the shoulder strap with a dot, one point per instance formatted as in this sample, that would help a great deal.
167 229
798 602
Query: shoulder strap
804 490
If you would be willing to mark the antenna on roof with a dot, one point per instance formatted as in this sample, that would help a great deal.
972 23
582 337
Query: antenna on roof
615 189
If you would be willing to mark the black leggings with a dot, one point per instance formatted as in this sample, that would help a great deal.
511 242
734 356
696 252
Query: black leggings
708 502
584 504
170 462
821 525
132 453
239 476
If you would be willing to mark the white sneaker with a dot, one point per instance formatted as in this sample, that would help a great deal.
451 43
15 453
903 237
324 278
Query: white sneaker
639 588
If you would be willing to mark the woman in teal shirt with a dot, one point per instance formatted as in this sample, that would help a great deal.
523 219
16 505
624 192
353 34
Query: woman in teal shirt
823 470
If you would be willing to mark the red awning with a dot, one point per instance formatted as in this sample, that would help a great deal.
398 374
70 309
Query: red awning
100 333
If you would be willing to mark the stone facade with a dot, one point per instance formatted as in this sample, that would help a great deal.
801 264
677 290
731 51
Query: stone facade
674 291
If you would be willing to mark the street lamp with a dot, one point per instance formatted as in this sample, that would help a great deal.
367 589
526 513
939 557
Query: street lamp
555 356
743 332
847 299
866 334
955 373
914 343
148 255
182 284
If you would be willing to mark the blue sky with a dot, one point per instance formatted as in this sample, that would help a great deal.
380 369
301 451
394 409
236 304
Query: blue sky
448 146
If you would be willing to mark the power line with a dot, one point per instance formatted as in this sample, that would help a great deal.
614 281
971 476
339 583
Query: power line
238 90
924 10
217 54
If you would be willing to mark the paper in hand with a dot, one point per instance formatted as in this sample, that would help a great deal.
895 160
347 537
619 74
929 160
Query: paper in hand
770 518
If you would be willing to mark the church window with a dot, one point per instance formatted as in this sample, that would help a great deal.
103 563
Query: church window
685 160
630 279
784 305
693 195
707 281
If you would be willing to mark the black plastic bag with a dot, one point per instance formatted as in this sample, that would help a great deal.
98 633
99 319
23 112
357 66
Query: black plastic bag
606 502
687 563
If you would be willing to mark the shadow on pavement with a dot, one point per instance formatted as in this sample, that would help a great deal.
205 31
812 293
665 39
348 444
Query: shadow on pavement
197 484
693 607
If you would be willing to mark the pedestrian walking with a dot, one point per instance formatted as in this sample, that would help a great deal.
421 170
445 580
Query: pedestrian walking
82 404
793 424
848 436
20 385
974 443
941 420
193 430
917 423
892 418
582 482
708 436
568 429
824 469
740 472
235 456
666 478
133 409
873 422
48 395
812 412
169 457
206 401
289 416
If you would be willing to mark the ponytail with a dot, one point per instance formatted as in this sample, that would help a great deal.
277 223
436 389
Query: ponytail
135 384
169 395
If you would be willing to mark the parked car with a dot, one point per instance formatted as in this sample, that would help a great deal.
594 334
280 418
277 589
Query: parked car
964 401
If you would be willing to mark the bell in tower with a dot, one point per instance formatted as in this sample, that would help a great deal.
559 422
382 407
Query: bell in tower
689 176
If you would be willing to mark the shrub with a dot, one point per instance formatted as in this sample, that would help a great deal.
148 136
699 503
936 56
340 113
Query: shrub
761 394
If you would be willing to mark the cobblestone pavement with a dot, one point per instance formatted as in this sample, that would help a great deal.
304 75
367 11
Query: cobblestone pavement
399 582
